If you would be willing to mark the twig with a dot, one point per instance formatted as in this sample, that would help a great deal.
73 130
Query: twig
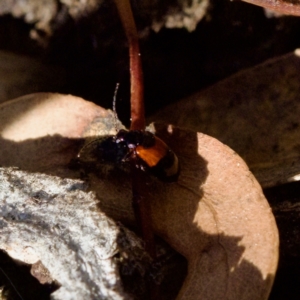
136 74
139 187
11 284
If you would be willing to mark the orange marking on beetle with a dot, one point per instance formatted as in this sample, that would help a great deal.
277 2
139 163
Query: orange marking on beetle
151 156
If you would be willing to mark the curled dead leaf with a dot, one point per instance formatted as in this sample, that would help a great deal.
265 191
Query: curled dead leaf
280 6
215 215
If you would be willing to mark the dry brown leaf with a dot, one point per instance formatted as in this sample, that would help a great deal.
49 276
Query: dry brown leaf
215 215
21 75
280 6
255 112
40 124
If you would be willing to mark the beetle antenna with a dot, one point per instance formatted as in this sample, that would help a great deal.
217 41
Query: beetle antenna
114 107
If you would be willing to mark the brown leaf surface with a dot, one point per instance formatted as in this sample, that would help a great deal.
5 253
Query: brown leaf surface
215 215
255 112
281 6
21 75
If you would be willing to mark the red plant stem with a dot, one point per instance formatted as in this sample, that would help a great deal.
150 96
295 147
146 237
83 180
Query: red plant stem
136 73
142 209
142 212
140 203
137 88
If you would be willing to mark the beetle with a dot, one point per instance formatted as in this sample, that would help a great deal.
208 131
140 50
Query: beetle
148 153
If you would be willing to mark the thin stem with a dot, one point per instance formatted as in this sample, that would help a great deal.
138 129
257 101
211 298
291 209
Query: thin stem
136 74
11 283
140 204
142 209
140 191
142 212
